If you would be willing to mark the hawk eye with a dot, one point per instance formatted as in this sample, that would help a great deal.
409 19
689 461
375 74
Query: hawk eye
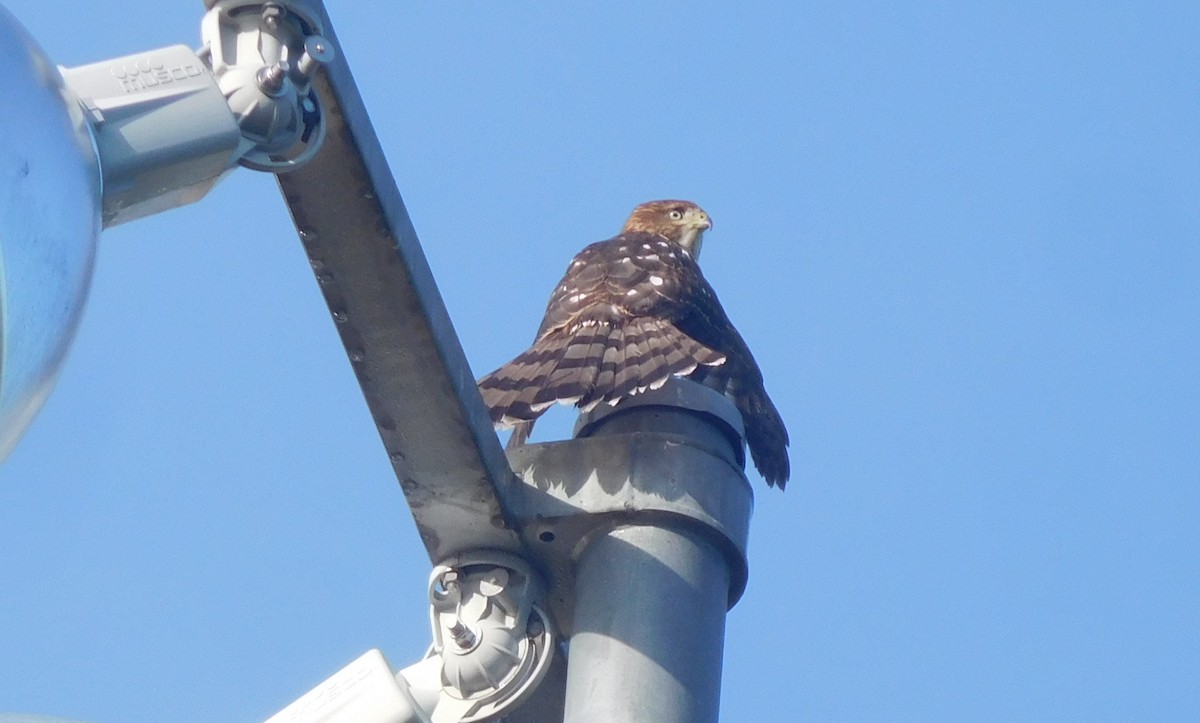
675 214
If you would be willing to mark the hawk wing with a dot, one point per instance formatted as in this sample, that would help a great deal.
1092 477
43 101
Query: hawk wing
607 332
629 313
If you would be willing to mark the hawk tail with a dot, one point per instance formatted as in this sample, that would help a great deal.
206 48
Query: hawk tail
766 436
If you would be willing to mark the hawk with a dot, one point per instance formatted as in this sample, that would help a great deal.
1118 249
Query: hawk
630 313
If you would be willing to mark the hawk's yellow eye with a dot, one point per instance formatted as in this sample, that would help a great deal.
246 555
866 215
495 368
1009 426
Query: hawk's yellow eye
676 215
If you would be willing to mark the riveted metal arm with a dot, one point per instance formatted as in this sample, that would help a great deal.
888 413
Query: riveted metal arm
387 309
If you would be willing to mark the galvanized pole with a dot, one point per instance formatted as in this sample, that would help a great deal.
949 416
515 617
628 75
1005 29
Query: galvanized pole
649 628
642 521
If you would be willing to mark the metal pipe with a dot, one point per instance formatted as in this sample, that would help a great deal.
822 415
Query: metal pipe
655 574
649 627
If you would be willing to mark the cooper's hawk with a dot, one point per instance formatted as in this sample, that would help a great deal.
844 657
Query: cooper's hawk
631 312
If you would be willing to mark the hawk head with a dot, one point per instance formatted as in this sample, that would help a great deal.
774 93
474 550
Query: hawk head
682 222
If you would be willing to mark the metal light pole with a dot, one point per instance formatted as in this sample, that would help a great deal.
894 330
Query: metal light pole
642 521
649 627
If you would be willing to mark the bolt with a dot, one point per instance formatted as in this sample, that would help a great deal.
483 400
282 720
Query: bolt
272 78
272 13
317 50
463 637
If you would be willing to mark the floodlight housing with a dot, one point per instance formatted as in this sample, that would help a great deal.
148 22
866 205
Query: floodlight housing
50 194
109 142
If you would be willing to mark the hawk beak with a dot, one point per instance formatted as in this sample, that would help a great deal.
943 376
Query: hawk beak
704 223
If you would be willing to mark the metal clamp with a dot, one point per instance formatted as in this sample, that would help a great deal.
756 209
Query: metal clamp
264 57
492 646
495 643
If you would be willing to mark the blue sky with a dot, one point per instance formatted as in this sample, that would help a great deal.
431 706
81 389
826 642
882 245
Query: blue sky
963 242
